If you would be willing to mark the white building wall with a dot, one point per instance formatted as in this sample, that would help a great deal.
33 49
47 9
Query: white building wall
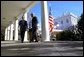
65 23
72 20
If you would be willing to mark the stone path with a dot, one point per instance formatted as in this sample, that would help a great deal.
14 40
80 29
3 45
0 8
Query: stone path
58 48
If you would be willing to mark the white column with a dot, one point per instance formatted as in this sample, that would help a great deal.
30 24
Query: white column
44 21
11 32
6 34
16 30
25 36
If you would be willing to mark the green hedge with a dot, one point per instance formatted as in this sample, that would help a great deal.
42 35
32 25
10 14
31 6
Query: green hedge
2 37
67 35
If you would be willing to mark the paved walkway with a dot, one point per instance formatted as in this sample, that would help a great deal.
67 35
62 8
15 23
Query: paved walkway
58 48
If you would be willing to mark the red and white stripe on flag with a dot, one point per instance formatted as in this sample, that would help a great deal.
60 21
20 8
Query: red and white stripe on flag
51 23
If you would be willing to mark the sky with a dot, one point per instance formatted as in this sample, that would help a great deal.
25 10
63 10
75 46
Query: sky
58 8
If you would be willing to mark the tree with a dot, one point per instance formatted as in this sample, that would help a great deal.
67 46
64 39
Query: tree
80 27
80 23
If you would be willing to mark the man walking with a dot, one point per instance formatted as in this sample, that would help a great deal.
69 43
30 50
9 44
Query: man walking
34 28
23 27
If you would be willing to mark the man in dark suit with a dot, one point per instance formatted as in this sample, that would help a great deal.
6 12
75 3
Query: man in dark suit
23 27
34 28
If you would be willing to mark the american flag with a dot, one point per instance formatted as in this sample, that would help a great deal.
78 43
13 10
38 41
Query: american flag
51 21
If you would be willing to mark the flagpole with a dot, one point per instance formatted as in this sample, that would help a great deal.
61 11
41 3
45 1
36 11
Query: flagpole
50 10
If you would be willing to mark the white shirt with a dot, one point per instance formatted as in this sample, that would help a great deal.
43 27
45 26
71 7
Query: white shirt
30 24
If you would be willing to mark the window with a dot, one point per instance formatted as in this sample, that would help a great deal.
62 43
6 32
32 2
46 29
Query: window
67 20
56 23
61 22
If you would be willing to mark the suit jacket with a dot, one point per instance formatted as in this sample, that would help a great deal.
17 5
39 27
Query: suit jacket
23 25
34 23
